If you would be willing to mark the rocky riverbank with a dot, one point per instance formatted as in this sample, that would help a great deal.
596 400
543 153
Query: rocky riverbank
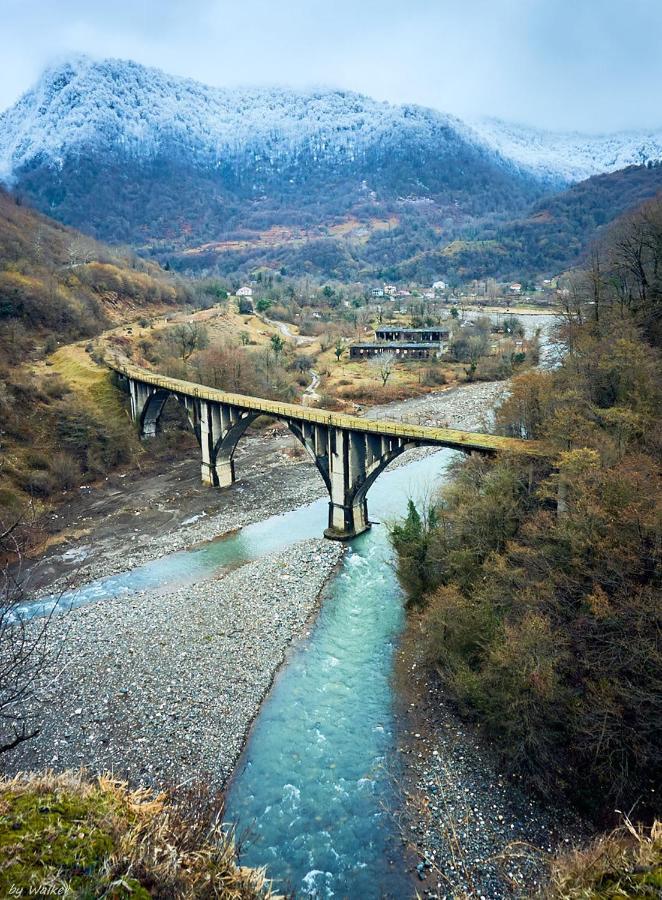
476 832
162 688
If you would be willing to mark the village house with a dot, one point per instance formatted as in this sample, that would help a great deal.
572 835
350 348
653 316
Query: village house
245 292
515 288
390 290
439 286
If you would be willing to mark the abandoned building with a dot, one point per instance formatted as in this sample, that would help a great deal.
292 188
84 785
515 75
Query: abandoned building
435 335
400 349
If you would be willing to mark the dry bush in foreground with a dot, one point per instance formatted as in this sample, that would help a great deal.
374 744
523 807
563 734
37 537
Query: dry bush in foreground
625 863
81 837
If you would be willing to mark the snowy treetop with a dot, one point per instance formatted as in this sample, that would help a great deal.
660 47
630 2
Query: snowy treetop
113 104
83 103
569 156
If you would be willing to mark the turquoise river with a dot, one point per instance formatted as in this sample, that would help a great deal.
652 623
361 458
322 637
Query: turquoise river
313 789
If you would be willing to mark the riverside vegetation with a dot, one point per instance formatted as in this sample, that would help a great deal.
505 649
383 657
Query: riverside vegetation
537 589
71 835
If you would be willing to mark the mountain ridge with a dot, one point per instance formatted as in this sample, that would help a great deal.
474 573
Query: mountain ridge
130 154
271 120
230 120
572 156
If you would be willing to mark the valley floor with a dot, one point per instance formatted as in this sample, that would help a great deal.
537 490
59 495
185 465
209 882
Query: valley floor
162 686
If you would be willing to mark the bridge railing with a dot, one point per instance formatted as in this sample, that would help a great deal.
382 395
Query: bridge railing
441 436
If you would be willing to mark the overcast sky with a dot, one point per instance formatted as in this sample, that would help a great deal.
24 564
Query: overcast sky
565 64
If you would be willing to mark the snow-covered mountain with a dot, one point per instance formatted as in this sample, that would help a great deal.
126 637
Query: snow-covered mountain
122 106
82 104
131 154
571 156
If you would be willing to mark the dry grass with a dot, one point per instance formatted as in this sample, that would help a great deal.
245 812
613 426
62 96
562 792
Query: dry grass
625 863
81 837
356 382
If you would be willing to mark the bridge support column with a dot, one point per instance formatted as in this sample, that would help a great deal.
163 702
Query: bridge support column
140 399
213 468
348 510
225 472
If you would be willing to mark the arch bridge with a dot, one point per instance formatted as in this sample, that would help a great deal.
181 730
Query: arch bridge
349 452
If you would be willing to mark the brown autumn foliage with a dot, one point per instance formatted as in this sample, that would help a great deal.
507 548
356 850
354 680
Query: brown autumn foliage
540 587
58 286
625 863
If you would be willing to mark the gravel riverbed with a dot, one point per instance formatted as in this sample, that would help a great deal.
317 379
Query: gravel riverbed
255 498
162 688
477 833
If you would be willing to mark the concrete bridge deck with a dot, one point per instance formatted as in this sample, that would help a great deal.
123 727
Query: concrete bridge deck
349 451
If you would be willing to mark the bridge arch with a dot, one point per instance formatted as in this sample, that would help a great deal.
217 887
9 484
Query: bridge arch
222 456
376 470
154 406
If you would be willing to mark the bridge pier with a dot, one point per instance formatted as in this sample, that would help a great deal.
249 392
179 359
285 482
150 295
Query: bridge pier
348 513
347 521
225 472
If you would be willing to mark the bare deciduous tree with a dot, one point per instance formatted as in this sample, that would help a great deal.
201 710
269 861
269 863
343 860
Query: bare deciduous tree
24 646
383 365
187 338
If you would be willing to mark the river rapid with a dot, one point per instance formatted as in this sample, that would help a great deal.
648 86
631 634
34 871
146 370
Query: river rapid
313 789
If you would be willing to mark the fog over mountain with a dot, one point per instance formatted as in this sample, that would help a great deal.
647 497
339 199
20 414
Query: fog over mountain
559 65
81 104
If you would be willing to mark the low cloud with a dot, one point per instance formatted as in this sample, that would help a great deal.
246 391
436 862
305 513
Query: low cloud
563 64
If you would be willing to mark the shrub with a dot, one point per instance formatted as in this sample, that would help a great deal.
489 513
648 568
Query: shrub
55 387
65 471
50 345
541 583
35 459
37 483
433 376
81 837
625 863
10 502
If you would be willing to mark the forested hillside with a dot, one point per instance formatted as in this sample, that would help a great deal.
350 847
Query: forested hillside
58 286
539 590
550 238
322 182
